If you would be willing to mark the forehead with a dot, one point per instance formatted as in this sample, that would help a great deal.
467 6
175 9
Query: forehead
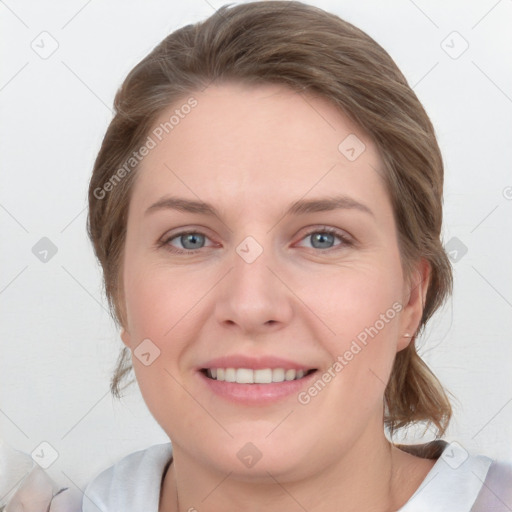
256 145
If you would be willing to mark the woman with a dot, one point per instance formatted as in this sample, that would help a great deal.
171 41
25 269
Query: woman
266 207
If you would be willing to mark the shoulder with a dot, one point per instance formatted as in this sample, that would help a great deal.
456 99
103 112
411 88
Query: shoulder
496 492
460 481
132 483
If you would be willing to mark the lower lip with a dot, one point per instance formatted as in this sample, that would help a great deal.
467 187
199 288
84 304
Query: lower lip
256 394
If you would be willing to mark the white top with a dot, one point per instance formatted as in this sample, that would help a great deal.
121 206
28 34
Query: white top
454 483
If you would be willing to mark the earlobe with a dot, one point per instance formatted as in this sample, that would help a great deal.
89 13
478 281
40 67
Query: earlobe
125 337
415 304
404 341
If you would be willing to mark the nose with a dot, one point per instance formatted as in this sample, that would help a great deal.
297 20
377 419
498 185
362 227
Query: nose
253 296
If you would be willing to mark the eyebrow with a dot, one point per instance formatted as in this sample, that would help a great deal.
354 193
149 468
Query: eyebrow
300 207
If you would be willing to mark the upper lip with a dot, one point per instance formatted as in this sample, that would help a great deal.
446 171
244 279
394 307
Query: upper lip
254 363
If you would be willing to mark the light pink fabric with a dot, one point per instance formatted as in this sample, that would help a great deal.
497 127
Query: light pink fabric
496 493
39 493
26 487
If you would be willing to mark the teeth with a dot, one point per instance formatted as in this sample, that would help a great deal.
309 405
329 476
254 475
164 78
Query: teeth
290 374
244 376
277 375
248 376
263 376
230 375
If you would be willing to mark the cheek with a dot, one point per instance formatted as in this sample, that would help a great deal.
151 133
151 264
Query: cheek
157 300
160 307
363 309
165 397
354 299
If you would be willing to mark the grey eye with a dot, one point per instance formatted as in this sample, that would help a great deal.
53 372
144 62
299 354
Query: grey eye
192 240
321 240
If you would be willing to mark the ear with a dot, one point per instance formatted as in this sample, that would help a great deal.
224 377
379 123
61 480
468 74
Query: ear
120 303
413 300
125 336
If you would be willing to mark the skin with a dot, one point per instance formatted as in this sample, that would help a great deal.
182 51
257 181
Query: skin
251 152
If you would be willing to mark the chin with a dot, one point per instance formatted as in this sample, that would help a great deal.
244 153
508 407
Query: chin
253 456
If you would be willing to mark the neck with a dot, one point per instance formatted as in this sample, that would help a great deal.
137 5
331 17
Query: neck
373 476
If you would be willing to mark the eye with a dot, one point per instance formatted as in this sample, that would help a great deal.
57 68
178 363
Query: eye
324 238
191 242
188 242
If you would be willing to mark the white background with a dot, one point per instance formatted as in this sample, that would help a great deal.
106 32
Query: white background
58 343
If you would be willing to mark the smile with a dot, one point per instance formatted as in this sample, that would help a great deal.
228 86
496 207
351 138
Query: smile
259 376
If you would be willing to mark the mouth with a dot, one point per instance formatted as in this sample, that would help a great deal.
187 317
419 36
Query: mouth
256 376
255 380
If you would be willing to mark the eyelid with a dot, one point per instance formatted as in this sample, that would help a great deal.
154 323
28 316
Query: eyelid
345 238
166 239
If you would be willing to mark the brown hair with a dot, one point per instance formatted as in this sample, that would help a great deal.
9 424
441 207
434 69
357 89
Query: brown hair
312 51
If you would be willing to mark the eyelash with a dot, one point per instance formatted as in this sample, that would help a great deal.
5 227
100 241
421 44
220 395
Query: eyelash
346 242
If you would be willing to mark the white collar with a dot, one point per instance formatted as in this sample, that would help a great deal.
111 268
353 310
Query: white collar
452 484
134 483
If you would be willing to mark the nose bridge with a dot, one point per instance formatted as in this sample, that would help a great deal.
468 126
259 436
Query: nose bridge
252 297
251 279
251 273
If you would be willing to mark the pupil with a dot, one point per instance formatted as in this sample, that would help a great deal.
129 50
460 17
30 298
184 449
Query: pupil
319 240
324 239
192 239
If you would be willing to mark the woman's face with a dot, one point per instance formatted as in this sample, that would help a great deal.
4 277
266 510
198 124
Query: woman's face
260 286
